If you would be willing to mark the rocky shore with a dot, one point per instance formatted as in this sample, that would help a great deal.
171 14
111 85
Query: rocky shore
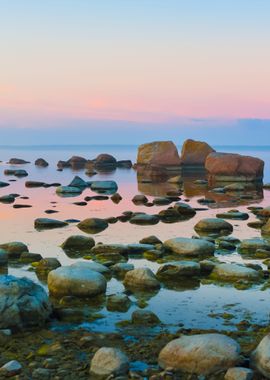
50 316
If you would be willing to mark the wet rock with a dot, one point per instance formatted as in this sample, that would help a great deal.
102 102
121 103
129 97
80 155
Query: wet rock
234 167
170 215
76 281
82 203
47 264
78 242
207 266
118 302
144 317
31 184
249 246
96 267
101 186
150 240
141 278
11 369
190 247
203 354
231 272
109 361
51 211
14 249
23 303
144 219
233 214
177 269
41 162
78 182
184 209
92 225
159 153
261 355
4 184
63 164
109 248
68 190
46 223
194 153
213 225
239 373
116 198
17 161
7 199
77 162
266 229
139 199
3 257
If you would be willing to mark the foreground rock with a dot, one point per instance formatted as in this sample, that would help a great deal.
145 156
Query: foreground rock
23 303
76 281
200 354
46 223
190 247
158 153
250 246
260 358
11 369
141 278
231 272
92 225
234 167
109 361
194 153
3 257
213 225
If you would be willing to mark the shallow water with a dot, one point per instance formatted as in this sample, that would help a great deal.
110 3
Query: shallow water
195 306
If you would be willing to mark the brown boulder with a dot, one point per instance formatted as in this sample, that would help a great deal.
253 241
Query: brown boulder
158 153
194 153
234 167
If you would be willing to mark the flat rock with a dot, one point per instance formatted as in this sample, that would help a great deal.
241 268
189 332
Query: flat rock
215 225
144 219
46 223
177 269
234 272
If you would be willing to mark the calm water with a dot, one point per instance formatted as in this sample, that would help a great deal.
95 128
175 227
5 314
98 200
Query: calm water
174 306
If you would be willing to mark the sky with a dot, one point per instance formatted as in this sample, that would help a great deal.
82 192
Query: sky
134 70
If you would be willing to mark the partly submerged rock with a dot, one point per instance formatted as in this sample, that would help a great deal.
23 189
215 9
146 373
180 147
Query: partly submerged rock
178 269
78 242
194 153
190 247
213 225
76 281
14 249
46 223
142 278
234 272
92 225
41 162
158 153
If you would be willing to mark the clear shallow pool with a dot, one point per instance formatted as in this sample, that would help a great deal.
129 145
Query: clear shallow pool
196 306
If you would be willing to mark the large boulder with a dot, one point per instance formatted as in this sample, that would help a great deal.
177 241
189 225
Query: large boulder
194 153
105 160
190 247
109 361
234 167
158 153
203 354
23 303
141 278
76 281
260 358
